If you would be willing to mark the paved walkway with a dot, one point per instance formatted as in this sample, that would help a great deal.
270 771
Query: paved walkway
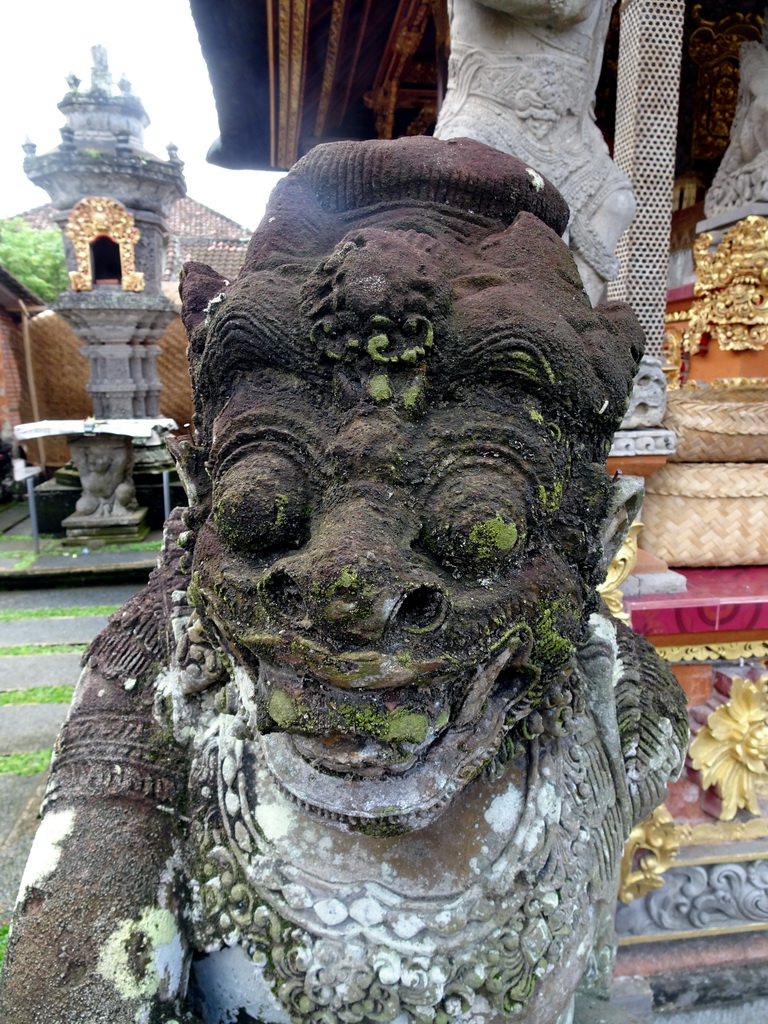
54 562
30 721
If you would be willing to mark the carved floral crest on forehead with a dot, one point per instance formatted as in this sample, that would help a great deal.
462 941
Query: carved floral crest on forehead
374 299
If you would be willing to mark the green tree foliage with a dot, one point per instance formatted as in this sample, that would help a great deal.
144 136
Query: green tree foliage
36 258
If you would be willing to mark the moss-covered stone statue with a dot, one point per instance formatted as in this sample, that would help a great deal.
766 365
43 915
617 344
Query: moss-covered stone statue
366 749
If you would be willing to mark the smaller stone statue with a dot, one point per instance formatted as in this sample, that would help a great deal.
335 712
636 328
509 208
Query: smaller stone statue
101 77
648 401
522 78
105 464
743 173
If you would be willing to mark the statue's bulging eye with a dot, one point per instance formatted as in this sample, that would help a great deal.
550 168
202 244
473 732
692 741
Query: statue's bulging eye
480 538
261 503
476 518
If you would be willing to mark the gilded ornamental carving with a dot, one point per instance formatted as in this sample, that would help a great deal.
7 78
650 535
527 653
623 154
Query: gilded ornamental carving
650 850
100 216
731 307
731 749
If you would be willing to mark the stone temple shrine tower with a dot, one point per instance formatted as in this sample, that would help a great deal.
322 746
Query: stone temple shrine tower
113 197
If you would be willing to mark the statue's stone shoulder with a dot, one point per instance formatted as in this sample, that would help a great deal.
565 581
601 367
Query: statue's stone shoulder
112 744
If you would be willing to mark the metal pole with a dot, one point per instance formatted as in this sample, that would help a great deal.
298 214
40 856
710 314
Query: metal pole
167 492
33 513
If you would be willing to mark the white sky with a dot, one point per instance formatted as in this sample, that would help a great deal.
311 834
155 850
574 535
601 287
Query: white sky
154 42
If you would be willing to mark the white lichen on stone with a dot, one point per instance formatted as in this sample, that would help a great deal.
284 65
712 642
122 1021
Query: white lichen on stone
276 819
211 307
504 810
46 849
536 178
156 969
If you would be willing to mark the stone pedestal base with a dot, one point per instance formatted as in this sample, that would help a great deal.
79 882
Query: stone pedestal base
119 529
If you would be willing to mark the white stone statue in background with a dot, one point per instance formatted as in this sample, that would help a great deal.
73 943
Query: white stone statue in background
522 78
743 173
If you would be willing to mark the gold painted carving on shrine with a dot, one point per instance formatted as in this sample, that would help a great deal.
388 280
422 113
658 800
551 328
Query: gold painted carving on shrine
101 217
715 651
649 851
714 47
731 304
403 82
731 749
618 570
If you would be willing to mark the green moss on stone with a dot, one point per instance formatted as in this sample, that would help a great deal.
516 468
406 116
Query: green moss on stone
375 346
379 387
486 539
411 395
282 708
406 727
552 499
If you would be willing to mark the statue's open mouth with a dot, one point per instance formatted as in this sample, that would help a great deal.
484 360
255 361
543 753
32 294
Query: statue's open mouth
384 770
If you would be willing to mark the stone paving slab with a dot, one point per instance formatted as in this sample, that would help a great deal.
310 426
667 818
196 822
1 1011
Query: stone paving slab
8 544
27 727
10 517
16 791
22 528
13 859
20 799
77 562
21 671
74 629
67 597
110 564
8 563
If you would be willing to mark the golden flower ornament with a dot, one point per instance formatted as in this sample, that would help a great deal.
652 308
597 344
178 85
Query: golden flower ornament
731 750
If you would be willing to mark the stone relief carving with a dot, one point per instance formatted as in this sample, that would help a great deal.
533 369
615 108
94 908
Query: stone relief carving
365 748
522 78
651 441
700 899
742 176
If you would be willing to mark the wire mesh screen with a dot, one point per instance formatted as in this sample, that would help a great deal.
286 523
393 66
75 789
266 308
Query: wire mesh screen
646 131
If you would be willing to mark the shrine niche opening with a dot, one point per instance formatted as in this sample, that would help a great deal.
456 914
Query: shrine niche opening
105 261
104 237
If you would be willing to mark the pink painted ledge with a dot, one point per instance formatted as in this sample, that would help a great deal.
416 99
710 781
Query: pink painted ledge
716 600
682 291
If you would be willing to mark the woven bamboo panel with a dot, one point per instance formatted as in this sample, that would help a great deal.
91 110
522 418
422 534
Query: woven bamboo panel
173 371
706 514
719 426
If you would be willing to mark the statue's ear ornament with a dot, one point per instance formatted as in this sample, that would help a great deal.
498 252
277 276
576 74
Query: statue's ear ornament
200 663
625 503
192 469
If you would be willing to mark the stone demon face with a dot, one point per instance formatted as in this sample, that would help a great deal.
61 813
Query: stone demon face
399 507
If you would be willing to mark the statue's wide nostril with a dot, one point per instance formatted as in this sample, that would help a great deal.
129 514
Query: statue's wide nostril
422 608
281 592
